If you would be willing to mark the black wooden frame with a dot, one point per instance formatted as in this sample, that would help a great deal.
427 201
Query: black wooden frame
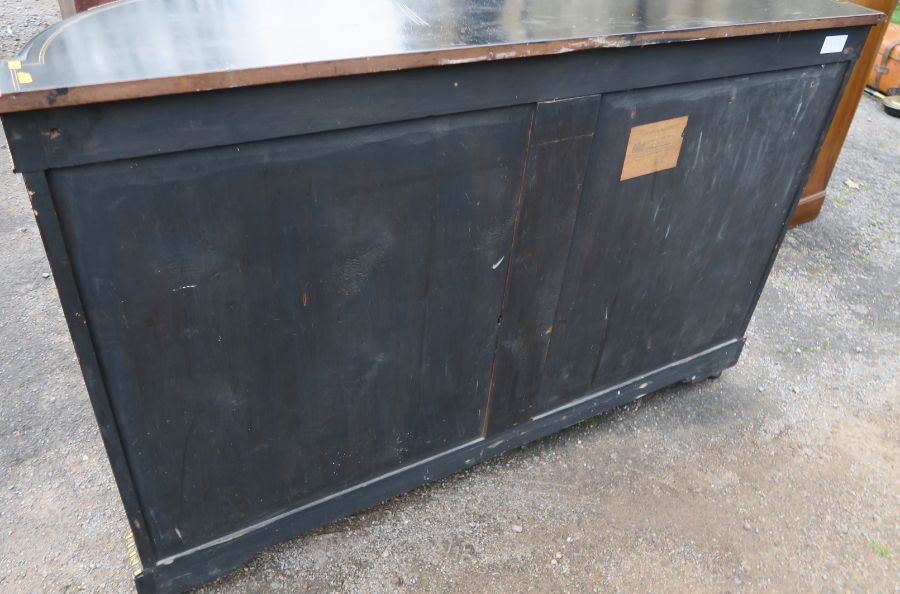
97 133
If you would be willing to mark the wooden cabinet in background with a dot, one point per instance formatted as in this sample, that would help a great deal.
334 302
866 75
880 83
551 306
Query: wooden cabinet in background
814 193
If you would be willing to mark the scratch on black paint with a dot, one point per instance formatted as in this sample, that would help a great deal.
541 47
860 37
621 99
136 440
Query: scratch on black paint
602 350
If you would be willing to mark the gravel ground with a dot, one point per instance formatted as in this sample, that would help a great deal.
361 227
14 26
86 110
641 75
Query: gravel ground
780 476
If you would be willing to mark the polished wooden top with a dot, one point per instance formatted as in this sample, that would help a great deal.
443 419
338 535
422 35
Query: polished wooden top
140 48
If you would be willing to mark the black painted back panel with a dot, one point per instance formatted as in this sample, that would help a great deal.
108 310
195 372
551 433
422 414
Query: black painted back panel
280 320
666 265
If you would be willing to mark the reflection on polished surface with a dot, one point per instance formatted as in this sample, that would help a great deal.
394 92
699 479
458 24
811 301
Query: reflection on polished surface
134 40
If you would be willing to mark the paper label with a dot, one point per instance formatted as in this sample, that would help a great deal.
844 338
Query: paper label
653 147
23 77
834 44
13 64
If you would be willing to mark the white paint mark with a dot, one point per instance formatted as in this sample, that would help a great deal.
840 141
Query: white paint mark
497 265
834 44
453 61
668 228
337 495
644 385
184 288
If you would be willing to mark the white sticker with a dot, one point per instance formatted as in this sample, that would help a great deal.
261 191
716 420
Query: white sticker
834 44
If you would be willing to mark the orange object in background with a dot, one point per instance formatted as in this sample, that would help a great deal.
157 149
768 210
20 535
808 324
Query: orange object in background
885 73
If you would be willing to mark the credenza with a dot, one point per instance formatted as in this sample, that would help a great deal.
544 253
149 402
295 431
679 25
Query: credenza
316 255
